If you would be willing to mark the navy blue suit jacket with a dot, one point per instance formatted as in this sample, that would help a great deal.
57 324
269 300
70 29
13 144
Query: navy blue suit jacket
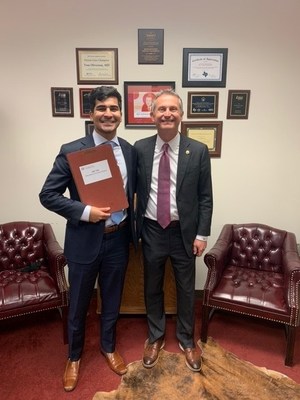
82 239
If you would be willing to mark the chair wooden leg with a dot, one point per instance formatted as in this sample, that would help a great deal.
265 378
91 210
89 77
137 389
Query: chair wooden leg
291 336
204 325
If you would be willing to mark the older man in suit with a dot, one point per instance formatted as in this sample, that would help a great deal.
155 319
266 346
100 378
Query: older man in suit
174 211
95 243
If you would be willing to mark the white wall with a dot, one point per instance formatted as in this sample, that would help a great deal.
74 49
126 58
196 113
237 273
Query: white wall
257 177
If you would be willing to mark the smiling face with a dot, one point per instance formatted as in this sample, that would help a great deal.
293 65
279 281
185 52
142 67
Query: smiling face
106 117
167 114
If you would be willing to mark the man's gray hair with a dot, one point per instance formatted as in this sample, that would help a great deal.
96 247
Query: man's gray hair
168 92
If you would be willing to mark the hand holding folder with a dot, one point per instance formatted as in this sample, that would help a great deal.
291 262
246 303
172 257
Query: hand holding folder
98 178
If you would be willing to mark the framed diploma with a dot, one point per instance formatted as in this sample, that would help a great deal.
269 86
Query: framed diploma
203 104
204 67
150 46
62 102
238 104
97 66
138 100
209 133
84 101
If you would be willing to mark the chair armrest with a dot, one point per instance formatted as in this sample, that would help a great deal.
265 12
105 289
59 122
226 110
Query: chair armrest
291 268
55 257
217 257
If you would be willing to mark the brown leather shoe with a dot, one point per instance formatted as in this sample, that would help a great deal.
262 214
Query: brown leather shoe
115 362
151 352
71 374
193 358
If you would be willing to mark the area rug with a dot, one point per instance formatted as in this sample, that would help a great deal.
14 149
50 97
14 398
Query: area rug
223 377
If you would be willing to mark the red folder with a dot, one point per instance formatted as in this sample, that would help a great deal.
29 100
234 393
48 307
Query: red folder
98 178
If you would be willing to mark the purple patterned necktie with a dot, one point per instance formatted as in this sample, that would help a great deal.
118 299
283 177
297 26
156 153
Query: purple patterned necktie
163 190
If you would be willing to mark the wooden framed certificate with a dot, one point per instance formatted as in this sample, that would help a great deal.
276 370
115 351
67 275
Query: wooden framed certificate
97 66
207 132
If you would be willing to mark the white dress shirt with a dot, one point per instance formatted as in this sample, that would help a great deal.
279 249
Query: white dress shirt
151 211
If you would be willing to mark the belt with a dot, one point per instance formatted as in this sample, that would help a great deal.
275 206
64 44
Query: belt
115 228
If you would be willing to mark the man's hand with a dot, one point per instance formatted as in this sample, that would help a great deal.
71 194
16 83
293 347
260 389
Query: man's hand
198 247
98 214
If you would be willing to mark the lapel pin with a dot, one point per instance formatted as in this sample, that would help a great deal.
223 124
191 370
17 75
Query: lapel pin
187 152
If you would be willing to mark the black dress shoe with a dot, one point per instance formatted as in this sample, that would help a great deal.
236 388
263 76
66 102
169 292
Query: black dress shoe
193 359
151 352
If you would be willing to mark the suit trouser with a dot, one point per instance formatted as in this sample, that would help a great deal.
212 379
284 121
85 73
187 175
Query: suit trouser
110 266
158 244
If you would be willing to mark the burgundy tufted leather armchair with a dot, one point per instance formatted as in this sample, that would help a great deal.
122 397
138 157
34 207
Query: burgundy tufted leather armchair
32 275
254 270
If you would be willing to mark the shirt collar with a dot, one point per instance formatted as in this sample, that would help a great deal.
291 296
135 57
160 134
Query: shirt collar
174 143
98 139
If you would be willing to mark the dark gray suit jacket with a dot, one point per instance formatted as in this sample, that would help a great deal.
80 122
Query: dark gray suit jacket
82 239
193 189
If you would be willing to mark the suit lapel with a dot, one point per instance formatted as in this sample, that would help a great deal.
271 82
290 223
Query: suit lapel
87 142
183 160
128 161
148 159
127 155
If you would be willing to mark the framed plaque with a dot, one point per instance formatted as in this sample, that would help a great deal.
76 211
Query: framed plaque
97 66
204 67
138 99
209 133
150 46
89 127
238 104
84 101
62 102
203 104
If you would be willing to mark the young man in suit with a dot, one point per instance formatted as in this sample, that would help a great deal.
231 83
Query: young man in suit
95 245
186 219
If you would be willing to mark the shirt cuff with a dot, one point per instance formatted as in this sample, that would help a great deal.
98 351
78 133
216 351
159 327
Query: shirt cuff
86 214
203 238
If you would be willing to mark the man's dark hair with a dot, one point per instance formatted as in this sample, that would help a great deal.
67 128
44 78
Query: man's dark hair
102 93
